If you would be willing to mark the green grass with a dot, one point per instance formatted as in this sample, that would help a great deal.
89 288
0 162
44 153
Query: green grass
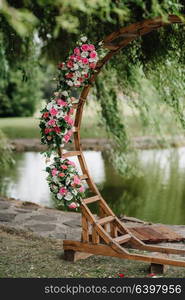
25 255
91 125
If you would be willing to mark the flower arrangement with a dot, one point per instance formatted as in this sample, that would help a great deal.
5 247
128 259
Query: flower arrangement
64 182
56 122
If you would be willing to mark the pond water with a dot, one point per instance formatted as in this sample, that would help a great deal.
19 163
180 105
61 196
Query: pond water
157 194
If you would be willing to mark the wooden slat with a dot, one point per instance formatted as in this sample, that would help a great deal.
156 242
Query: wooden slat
95 236
75 129
84 176
91 199
85 229
71 153
106 220
122 239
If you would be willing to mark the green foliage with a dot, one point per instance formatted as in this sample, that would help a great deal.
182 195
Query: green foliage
5 151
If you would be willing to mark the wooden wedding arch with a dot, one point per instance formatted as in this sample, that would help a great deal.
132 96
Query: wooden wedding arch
107 235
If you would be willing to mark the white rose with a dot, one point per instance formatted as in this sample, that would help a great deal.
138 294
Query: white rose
49 105
65 93
68 197
59 196
84 54
83 39
67 180
75 67
75 192
69 82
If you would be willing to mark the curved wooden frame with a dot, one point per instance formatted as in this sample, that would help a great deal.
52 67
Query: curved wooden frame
104 236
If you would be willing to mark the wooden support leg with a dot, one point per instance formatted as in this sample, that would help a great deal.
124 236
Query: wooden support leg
71 255
159 268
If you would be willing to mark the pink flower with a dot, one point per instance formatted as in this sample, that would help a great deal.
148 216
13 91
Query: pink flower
72 57
46 130
81 189
77 51
53 111
57 129
61 65
63 191
66 138
80 79
92 65
63 167
86 75
69 120
45 115
91 47
69 64
69 75
93 54
70 132
85 47
79 58
85 60
76 180
61 174
51 122
61 102
71 163
72 205
121 275
54 172
71 111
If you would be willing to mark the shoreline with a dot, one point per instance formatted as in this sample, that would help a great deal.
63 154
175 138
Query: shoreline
141 143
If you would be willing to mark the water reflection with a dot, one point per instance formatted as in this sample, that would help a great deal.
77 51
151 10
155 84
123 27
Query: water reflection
157 194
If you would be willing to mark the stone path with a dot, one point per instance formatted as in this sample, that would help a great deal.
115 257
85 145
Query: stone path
48 222
42 221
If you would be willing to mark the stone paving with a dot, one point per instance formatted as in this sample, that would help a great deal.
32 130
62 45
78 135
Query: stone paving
43 221
49 222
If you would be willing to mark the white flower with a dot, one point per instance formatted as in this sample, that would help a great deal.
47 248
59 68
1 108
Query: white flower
68 197
59 196
75 67
84 54
75 192
67 180
65 93
49 105
69 82
92 59
83 39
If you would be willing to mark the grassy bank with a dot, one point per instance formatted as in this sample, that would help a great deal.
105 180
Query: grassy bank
25 255
91 125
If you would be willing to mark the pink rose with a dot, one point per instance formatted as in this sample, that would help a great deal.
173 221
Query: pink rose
93 54
61 174
51 122
71 163
85 47
70 132
61 102
46 130
69 120
71 111
92 65
72 205
70 64
63 167
72 57
45 115
85 60
91 47
57 129
76 180
53 111
77 51
86 75
61 65
69 75
54 172
66 138
63 191
81 189
79 58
